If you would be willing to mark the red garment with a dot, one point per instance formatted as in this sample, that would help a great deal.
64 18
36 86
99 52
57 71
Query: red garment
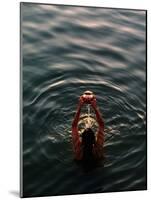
77 144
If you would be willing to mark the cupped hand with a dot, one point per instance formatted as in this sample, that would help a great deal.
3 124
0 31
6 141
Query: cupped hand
81 101
93 103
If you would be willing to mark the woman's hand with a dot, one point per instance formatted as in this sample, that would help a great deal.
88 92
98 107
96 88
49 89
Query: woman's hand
81 101
93 103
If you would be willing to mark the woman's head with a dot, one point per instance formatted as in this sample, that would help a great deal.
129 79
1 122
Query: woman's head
88 137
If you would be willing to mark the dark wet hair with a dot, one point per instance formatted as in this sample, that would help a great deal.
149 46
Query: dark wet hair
88 137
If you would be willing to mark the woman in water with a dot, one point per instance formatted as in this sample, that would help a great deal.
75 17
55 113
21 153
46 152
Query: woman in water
90 147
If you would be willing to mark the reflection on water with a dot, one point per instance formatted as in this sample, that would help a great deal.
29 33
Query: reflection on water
67 50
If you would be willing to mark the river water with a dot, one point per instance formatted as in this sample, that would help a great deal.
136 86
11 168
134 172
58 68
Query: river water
65 51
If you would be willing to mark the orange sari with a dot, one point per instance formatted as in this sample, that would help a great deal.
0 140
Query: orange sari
77 144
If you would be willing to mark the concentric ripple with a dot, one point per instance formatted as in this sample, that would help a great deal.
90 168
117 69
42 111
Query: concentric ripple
67 50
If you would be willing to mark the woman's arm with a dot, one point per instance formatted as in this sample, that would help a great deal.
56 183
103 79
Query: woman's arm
99 119
75 135
77 117
100 135
98 115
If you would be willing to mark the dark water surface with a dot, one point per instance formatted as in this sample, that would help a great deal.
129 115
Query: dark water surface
67 50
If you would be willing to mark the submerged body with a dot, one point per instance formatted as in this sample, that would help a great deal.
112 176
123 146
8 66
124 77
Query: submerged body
90 147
